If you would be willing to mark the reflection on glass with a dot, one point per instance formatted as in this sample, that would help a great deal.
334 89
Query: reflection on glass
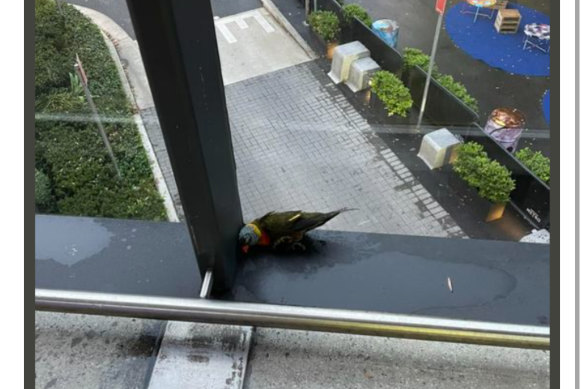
90 159
317 135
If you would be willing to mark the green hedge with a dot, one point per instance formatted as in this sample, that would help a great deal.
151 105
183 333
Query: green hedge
392 92
492 180
351 11
326 24
70 150
536 162
415 57
43 197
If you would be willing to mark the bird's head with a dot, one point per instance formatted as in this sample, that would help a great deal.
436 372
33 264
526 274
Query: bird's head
249 235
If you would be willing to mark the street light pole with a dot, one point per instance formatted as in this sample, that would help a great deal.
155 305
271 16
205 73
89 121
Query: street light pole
83 78
440 10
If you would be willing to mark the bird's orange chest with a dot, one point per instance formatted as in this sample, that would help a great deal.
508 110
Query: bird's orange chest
264 240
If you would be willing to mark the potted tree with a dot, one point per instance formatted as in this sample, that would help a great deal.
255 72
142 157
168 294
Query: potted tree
492 180
326 26
392 93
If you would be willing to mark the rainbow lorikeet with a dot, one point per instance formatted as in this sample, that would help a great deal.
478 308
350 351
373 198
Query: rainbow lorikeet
282 229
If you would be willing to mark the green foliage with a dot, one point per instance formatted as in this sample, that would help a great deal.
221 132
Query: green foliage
325 24
536 162
341 2
68 146
415 57
42 190
75 85
392 92
470 157
458 90
492 180
355 10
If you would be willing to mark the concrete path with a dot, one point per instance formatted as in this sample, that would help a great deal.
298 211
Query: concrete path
299 144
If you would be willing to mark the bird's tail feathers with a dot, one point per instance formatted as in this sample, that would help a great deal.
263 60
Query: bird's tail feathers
347 209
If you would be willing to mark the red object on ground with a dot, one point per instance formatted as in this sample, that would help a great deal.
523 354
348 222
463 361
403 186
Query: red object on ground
440 6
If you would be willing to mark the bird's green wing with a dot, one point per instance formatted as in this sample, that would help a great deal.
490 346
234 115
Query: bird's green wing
293 222
311 220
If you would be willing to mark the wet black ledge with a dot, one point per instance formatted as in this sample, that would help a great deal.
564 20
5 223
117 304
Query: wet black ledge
115 256
492 280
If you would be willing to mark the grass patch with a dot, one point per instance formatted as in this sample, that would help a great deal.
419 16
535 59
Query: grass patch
70 152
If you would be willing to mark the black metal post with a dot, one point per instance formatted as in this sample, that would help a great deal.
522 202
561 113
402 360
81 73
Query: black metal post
179 49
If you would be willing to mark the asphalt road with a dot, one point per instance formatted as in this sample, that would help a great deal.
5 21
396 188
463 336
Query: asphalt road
117 10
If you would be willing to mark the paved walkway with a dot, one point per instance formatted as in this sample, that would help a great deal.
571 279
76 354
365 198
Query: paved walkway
300 144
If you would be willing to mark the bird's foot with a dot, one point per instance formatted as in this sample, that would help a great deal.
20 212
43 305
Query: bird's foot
283 241
298 246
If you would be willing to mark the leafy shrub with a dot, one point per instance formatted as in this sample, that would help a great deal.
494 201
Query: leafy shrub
70 150
325 24
458 90
351 11
492 180
42 190
392 92
536 162
415 57
470 157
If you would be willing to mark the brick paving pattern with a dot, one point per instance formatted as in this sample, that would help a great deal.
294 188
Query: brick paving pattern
299 144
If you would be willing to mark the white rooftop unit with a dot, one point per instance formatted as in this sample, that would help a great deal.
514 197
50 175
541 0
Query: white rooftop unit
360 72
437 147
343 57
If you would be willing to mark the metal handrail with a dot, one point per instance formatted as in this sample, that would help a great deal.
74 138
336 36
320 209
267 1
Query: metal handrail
291 317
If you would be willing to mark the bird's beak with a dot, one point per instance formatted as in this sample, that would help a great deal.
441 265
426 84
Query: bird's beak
245 249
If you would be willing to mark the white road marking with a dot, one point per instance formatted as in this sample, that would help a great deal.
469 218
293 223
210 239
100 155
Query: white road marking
226 33
241 23
263 22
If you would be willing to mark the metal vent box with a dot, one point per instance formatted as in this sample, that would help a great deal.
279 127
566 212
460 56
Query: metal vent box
360 72
343 57
437 147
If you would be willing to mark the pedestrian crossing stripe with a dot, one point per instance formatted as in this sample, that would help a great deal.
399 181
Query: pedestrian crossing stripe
240 21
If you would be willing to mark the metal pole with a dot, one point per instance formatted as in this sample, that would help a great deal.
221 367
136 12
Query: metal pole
291 317
97 120
207 285
430 66
179 49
